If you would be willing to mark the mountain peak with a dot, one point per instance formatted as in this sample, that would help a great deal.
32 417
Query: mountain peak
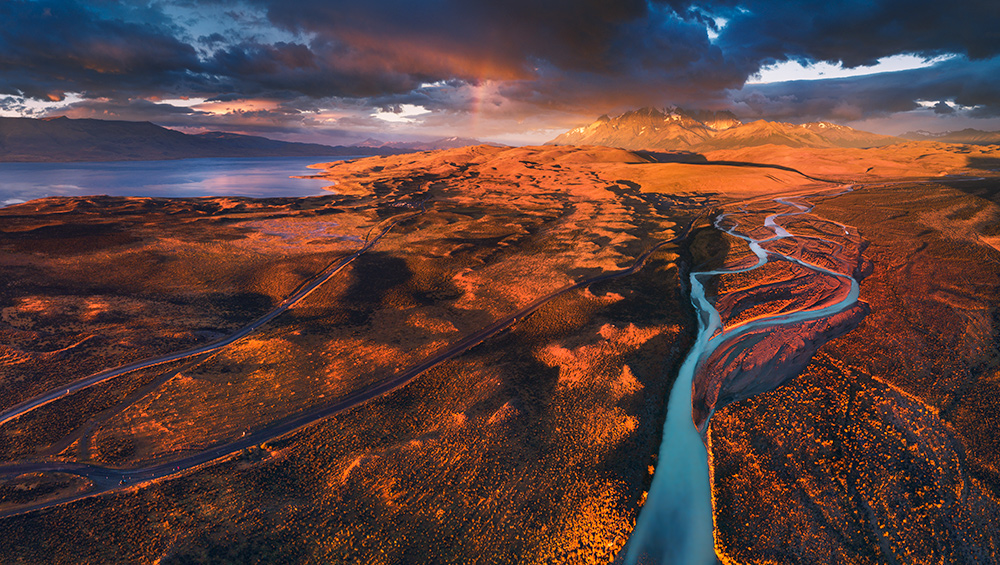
677 129
370 142
650 128
644 111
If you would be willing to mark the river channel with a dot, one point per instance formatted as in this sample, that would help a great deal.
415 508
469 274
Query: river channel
676 522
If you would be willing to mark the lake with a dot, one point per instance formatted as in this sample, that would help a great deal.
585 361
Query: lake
255 177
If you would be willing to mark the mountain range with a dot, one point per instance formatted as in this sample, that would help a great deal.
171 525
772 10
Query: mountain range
64 139
967 136
408 146
680 130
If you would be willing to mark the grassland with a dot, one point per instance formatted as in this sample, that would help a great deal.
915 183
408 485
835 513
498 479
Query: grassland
536 445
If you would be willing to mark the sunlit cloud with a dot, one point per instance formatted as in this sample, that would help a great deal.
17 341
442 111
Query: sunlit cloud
236 107
795 70
185 102
22 106
403 113
944 106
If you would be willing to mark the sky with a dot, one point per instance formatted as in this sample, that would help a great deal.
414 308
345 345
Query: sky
514 71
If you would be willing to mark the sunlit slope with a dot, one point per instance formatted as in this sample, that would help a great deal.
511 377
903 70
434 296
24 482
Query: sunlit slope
903 160
572 169
884 449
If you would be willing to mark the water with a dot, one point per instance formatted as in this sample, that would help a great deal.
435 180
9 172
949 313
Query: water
675 525
255 177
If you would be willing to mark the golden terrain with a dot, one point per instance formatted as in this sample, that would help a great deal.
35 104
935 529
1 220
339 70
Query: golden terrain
884 450
537 445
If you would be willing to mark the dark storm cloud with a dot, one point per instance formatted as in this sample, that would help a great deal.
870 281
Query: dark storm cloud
548 54
212 39
353 48
634 38
943 108
497 37
974 84
48 48
285 70
557 51
858 32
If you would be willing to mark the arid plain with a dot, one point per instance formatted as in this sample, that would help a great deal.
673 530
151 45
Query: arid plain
465 356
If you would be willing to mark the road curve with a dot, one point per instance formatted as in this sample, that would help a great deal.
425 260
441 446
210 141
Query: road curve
109 479
108 374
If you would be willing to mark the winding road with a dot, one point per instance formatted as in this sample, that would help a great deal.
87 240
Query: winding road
307 288
108 479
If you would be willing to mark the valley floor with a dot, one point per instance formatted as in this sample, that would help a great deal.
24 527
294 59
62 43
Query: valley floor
534 303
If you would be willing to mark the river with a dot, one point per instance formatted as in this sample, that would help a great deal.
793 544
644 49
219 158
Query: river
675 525
254 177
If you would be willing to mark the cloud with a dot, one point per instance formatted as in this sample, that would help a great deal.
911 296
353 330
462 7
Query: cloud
859 33
48 48
285 119
533 64
356 49
140 110
319 70
467 39
969 84
943 108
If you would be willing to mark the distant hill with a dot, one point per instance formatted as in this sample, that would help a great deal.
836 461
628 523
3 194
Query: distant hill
444 143
681 130
965 136
64 139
